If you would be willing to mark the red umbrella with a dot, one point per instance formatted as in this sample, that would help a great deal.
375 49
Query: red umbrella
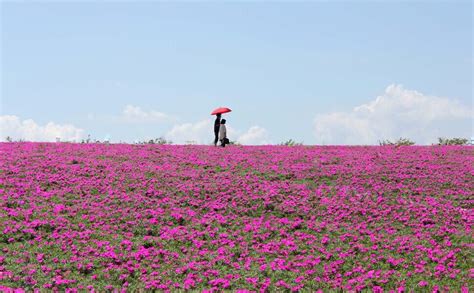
220 110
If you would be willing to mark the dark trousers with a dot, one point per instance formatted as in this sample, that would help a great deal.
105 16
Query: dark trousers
216 137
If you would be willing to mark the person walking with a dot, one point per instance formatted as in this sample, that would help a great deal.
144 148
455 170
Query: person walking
223 133
217 124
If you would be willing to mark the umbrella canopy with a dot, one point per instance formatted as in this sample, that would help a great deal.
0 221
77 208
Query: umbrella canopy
221 110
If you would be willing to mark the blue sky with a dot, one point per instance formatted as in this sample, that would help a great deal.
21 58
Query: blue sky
288 70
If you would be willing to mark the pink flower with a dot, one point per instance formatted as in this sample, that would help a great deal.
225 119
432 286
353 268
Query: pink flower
181 217
423 284
325 240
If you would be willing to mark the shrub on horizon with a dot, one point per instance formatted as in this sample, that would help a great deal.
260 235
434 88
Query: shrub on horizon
160 140
452 141
399 142
291 142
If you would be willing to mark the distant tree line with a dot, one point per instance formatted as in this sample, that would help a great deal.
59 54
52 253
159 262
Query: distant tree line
441 141
162 141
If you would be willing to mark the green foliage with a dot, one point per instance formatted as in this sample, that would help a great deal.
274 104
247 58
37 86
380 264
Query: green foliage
399 142
291 142
452 141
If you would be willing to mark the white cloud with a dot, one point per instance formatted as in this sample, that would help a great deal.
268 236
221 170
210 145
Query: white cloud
255 135
199 133
399 112
135 114
29 130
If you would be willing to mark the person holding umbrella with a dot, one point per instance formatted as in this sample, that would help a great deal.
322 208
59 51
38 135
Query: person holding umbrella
217 123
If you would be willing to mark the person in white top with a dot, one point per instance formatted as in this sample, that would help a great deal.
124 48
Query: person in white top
223 133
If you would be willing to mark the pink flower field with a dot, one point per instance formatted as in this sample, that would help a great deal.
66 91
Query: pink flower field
270 218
